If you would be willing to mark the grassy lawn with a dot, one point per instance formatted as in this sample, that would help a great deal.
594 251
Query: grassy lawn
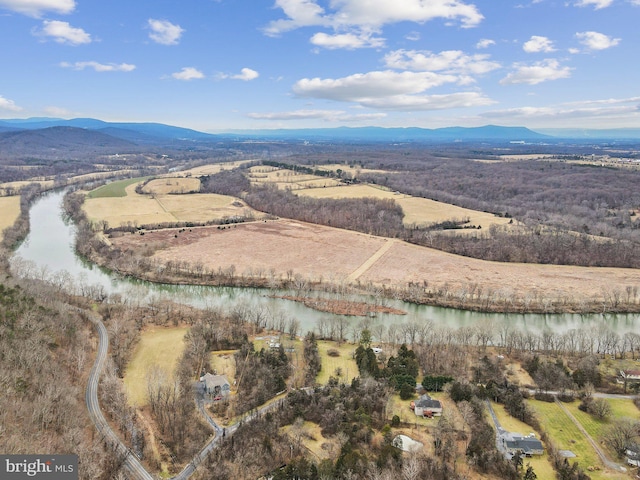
620 408
223 363
345 362
566 436
157 346
540 464
115 189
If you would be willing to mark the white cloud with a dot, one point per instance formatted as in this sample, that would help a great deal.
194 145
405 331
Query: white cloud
6 104
596 112
100 67
327 115
596 41
389 90
370 85
35 8
370 15
537 73
429 102
64 33
188 73
538 44
597 4
245 74
58 112
164 32
449 61
485 43
349 41
415 36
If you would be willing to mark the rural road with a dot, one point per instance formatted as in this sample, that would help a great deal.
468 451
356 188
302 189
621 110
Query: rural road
605 460
499 429
131 462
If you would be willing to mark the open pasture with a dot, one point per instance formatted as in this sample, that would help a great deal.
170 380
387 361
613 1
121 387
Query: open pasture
161 347
417 211
9 211
337 255
620 408
566 436
354 171
210 169
135 209
172 185
115 189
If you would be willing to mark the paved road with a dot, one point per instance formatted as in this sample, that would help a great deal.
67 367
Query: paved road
131 462
500 432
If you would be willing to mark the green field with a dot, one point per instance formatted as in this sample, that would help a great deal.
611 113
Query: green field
115 189
566 436
620 408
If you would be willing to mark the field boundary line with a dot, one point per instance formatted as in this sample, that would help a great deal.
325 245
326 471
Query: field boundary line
371 260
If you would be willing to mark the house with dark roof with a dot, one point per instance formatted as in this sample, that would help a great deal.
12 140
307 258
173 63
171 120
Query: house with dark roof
518 444
426 406
216 385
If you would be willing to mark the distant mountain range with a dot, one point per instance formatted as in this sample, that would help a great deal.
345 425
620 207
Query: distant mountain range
59 142
139 133
36 134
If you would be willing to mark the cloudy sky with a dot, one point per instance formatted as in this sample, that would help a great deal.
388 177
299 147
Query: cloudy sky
227 64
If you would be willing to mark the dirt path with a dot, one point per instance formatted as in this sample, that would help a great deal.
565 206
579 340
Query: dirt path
603 457
370 261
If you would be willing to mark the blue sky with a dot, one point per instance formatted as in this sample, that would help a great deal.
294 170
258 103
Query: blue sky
214 65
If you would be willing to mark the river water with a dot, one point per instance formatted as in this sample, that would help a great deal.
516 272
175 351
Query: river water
48 252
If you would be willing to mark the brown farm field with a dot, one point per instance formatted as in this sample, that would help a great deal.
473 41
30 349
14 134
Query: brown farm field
175 185
138 209
158 347
336 255
417 211
9 211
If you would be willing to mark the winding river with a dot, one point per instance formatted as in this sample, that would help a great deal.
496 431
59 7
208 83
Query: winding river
48 252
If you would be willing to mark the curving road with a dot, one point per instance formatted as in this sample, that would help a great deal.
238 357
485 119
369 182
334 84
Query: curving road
131 463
